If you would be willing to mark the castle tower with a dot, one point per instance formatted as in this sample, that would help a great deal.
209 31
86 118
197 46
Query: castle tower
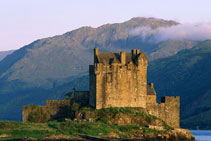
118 79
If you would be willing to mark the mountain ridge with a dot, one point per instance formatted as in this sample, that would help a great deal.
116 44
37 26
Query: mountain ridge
75 44
50 67
4 54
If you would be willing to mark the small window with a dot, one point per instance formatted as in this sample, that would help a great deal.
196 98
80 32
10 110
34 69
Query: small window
109 78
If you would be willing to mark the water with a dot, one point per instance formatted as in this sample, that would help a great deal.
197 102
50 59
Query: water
202 135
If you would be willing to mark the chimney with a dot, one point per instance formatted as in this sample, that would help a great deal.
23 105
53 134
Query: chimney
123 57
96 52
133 51
151 85
137 51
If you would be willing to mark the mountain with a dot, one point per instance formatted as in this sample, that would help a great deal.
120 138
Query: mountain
3 54
188 75
73 51
48 68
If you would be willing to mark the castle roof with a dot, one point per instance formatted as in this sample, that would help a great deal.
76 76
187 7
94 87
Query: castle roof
109 57
150 90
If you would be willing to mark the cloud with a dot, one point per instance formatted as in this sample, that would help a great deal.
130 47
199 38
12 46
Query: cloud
197 32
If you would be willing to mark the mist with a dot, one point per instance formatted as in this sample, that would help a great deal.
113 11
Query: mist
196 32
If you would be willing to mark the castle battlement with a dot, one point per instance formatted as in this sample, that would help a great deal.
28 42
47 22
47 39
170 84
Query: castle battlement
170 99
120 59
50 103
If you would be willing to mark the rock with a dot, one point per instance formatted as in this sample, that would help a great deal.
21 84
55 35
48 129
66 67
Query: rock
83 120
56 137
156 127
4 135
182 134
113 135
91 120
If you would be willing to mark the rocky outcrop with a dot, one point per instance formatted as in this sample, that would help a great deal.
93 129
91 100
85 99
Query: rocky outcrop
176 134
150 127
182 134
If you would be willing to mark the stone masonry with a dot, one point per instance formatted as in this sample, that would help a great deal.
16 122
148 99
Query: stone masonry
118 80
55 108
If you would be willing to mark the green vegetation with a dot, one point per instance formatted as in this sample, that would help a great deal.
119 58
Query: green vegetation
88 128
16 130
21 130
166 126
110 122
131 116
38 114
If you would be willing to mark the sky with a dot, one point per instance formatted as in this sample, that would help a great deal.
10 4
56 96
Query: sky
24 21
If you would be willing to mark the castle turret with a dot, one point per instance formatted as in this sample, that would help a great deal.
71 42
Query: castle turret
123 57
96 52
133 52
137 51
151 85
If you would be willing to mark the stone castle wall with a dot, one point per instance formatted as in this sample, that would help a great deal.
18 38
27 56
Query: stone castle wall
55 108
151 99
92 86
78 96
168 110
119 84
29 109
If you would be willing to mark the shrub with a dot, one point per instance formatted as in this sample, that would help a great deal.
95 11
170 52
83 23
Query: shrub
166 126
38 114
75 106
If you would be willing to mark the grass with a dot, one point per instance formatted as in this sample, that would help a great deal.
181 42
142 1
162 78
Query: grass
105 124
166 126
21 130
93 129
69 128
151 131
107 115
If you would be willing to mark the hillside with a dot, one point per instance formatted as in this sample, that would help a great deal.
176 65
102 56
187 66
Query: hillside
3 54
103 124
73 51
188 75
48 68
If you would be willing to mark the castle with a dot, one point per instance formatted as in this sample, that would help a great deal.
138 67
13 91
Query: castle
120 80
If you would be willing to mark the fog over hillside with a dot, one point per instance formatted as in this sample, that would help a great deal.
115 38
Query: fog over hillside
195 32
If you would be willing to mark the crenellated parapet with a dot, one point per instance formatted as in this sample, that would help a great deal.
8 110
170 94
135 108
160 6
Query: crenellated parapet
120 59
168 110
53 108
57 103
